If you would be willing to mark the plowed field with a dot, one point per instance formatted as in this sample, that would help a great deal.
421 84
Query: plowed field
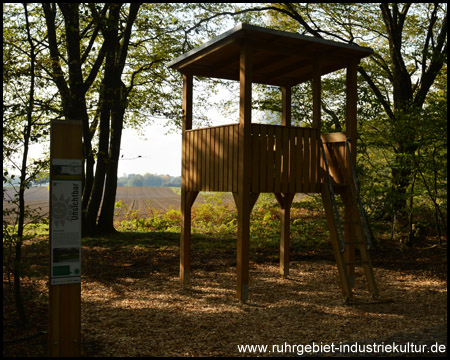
133 198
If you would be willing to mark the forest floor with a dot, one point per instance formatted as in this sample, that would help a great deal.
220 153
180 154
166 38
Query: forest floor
133 304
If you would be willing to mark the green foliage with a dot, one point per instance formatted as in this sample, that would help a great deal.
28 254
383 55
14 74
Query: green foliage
217 218
153 220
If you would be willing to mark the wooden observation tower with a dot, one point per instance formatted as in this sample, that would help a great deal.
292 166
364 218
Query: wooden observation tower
248 159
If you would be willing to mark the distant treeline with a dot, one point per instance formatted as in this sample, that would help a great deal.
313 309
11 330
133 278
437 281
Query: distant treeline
149 180
127 180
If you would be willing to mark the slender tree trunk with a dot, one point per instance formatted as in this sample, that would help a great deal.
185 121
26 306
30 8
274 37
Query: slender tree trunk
106 220
119 95
108 98
17 266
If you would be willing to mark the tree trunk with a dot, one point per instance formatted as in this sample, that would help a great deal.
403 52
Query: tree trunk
108 99
119 95
106 220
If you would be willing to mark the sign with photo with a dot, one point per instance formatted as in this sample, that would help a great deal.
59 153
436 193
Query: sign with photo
66 227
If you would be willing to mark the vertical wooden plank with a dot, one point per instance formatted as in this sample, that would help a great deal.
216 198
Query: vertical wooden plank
270 159
314 160
193 164
216 158
225 158
230 159
213 158
236 151
183 160
278 158
192 169
306 161
204 151
196 167
263 159
198 135
285 176
198 162
223 153
188 160
299 162
186 174
193 157
221 159
207 157
292 160
255 158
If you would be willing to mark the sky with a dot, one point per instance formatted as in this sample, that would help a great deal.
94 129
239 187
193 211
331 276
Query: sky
160 152
150 150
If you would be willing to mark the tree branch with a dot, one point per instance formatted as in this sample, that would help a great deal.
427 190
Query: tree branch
377 93
57 73
437 61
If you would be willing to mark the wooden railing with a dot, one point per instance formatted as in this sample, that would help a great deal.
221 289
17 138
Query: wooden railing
284 159
210 158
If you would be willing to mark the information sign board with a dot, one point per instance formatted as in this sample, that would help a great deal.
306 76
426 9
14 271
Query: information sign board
66 221
66 232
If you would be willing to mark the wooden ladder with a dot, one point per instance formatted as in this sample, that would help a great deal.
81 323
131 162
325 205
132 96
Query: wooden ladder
351 199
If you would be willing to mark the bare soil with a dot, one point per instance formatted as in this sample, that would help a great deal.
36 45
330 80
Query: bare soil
133 198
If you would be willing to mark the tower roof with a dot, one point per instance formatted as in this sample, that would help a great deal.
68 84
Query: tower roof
279 58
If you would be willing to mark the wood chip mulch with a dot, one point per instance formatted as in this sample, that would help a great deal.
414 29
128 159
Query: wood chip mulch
133 305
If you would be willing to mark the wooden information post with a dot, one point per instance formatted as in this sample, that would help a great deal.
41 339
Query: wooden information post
66 170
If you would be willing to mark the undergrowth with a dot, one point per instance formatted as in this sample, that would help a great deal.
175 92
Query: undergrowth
218 218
